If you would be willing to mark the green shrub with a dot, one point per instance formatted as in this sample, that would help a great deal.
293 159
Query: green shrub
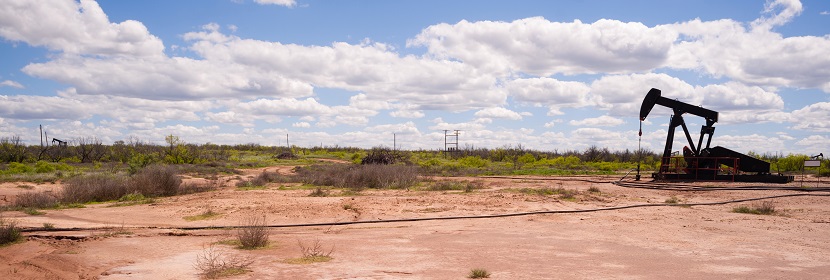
138 161
473 161
43 167
527 158
18 168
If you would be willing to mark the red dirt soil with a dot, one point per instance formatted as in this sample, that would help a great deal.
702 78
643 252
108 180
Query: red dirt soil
141 242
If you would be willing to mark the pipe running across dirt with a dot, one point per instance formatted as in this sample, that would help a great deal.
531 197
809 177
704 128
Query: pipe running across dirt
627 184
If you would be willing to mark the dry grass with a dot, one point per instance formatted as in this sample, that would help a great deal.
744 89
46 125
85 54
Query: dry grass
261 181
448 185
206 215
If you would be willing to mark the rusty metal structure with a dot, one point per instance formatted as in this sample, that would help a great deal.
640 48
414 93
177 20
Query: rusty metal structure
699 163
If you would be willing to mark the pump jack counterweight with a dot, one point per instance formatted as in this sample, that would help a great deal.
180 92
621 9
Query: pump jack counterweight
699 163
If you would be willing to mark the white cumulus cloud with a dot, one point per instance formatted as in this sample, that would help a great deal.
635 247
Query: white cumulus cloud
10 83
75 27
498 113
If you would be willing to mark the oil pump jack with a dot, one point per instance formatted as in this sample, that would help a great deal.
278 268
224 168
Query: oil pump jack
699 163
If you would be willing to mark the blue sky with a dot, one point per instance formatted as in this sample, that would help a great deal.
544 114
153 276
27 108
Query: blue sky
548 75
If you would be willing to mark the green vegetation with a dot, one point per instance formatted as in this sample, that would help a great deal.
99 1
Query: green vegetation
763 208
33 212
672 200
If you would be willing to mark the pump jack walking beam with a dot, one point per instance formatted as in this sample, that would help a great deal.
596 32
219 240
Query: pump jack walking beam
653 98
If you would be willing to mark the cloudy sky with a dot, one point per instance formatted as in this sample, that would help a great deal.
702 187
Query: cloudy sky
547 75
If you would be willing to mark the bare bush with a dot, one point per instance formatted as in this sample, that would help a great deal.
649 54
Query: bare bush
36 200
313 253
157 180
286 155
95 188
379 155
380 177
253 233
358 177
214 263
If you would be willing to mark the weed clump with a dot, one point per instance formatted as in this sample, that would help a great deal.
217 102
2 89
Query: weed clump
318 192
478 273
312 253
9 232
763 208
214 263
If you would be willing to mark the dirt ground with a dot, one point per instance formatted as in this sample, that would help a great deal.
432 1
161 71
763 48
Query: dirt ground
143 242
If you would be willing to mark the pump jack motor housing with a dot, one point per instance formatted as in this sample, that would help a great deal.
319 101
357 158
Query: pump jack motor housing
699 163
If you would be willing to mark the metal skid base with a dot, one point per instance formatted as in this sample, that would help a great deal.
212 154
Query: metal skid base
761 178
